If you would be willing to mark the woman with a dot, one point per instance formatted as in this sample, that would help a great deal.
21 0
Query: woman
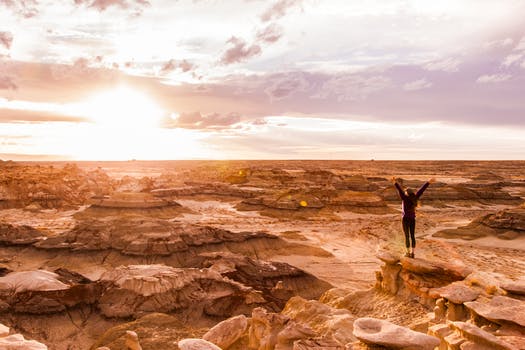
409 205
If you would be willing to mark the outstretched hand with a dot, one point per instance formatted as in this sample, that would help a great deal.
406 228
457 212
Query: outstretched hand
394 180
432 180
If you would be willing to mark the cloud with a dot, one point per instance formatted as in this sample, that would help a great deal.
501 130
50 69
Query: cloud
279 9
239 51
102 5
6 39
6 83
517 55
24 8
494 78
270 34
352 87
195 120
417 85
172 65
286 85
450 65
16 116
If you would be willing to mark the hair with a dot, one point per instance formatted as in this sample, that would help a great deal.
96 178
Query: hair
412 196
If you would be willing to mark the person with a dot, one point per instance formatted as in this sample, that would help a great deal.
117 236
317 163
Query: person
409 204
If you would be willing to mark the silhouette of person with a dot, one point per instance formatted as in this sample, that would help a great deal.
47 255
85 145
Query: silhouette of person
409 204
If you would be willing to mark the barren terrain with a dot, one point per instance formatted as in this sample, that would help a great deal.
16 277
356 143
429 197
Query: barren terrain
228 236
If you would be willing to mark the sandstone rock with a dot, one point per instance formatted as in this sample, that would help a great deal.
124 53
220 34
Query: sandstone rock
505 224
155 330
17 341
264 328
18 235
379 332
442 269
132 341
479 336
500 309
39 280
277 281
456 292
137 289
515 287
41 291
208 189
227 332
388 257
325 321
144 236
4 331
196 344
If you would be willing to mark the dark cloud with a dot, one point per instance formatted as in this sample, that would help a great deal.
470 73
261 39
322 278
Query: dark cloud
102 5
172 65
239 51
6 83
279 9
24 8
6 39
195 120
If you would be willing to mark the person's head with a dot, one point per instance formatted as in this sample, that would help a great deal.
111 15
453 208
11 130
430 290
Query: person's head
409 192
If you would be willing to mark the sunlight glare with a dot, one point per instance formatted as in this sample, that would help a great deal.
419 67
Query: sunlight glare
123 108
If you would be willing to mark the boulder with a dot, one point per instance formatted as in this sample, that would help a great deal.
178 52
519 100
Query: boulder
441 269
500 309
227 332
380 332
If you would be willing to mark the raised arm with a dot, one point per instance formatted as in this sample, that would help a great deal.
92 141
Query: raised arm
422 189
399 189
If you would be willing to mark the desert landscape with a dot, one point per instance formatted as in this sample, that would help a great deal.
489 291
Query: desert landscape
260 255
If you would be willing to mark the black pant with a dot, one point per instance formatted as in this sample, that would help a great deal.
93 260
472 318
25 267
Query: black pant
409 228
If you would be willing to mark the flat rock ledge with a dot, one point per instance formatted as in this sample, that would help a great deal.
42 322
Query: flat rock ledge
374 331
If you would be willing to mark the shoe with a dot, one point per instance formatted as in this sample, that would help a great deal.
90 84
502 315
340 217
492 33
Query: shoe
411 255
407 254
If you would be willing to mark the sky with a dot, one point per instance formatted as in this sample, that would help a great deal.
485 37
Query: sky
262 79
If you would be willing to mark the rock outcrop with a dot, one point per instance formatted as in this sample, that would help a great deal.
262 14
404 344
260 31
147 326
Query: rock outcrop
42 292
139 289
277 281
145 236
37 186
19 235
505 224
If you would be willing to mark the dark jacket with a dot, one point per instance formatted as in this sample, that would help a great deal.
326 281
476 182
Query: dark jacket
409 207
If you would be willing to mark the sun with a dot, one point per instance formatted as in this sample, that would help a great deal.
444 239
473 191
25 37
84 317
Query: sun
123 108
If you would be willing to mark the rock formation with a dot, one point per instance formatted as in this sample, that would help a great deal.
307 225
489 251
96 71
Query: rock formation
19 235
505 224
139 289
380 332
41 291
